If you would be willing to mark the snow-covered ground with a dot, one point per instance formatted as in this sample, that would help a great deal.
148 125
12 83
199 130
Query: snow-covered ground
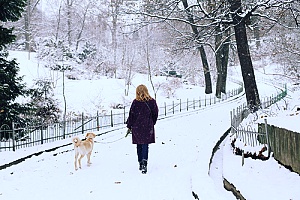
257 179
178 165
178 161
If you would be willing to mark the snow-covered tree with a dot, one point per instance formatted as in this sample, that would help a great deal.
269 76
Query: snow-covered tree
11 85
203 19
45 109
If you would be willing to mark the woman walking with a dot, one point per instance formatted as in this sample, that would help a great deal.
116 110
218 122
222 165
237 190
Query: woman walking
141 120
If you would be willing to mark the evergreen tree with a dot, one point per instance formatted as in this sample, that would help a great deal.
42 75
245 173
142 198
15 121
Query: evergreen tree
10 10
10 84
46 110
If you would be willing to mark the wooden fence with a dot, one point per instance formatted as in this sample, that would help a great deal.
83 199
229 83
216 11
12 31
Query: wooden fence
285 145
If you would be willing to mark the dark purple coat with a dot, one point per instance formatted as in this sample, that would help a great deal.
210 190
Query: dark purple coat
141 121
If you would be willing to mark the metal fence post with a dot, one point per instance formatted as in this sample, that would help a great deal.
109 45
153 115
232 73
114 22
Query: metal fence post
199 102
42 135
173 107
124 115
97 119
231 120
14 138
187 104
82 123
111 119
243 158
194 104
64 127
180 105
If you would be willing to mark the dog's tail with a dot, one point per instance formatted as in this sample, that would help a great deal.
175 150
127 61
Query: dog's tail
76 141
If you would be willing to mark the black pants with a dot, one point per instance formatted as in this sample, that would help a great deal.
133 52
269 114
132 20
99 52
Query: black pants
142 151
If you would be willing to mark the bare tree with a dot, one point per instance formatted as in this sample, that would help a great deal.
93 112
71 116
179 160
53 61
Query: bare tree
82 25
192 25
30 9
222 43
239 24
200 48
115 11
226 13
286 53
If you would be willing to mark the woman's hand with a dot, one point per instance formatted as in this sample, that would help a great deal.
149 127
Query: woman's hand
128 132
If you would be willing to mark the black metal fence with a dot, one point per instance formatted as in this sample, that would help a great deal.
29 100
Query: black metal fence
21 137
248 135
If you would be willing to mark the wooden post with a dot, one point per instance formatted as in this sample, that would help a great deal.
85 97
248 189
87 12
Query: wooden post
267 136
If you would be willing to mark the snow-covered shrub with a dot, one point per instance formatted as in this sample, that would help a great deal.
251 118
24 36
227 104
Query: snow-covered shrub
45 107
170 87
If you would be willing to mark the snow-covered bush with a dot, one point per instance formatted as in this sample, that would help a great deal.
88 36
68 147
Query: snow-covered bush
170 87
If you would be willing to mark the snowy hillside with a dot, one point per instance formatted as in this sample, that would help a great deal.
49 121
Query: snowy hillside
91 95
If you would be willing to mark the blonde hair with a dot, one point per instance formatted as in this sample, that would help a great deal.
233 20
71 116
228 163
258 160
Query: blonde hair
142 93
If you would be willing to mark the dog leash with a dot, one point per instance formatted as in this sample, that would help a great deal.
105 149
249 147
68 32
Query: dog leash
110 141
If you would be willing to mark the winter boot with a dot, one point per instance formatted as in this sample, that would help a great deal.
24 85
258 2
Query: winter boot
141 165
144 166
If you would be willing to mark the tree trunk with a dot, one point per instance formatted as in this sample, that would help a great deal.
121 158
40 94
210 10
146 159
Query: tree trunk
218 54
82 27
256 30
208 85
58 23
69 6
251 90
27 26
65 105
222 55
225 57
115 12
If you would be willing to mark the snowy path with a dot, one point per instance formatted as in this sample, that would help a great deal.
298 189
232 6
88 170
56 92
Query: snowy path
178 165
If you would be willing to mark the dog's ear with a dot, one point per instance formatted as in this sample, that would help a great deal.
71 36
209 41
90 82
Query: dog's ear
92 135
